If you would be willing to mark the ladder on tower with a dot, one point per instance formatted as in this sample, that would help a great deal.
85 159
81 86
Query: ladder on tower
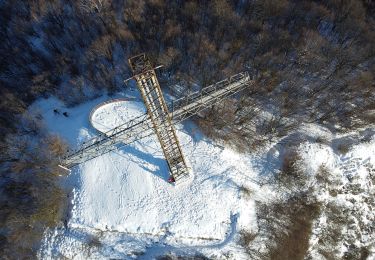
158 112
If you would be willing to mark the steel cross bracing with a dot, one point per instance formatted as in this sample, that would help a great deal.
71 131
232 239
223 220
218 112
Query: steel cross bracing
142 126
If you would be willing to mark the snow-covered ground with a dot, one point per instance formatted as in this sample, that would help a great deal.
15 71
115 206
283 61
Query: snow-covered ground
123 207
110 114
347 199
124 194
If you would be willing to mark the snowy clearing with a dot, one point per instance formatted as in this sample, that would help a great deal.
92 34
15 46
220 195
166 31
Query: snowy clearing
126 192
123 207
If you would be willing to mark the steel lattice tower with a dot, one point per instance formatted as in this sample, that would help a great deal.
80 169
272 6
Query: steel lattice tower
158 112
158 119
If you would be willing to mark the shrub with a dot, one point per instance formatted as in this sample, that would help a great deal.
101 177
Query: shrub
292 176
287 226
247 192
343 148
245 238
94 241
32 198
294 243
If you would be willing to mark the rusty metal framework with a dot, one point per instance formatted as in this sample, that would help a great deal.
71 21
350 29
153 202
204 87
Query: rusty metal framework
158 119
126 133
158 112
193 103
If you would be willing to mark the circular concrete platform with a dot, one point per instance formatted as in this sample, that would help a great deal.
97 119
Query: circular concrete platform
112 113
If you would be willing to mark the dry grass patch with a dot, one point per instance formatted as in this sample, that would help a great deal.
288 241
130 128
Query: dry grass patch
293 243
284 229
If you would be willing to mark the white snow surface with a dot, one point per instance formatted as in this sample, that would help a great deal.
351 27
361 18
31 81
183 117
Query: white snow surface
123 207
126 192
113 113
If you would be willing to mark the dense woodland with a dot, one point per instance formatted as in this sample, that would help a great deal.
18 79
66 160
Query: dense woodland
314 62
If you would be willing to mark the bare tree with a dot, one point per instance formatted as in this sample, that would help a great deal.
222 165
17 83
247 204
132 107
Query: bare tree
96 6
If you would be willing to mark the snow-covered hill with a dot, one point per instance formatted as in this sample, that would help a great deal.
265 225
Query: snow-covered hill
123 207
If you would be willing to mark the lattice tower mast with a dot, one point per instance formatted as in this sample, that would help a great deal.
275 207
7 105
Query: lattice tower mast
157 117
157 110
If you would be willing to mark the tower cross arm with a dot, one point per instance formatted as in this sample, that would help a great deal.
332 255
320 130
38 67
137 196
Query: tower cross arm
124 134
192 104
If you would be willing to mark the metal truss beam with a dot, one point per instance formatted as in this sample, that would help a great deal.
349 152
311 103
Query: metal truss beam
192 104
127 133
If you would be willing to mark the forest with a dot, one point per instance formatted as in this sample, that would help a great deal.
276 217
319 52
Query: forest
314 61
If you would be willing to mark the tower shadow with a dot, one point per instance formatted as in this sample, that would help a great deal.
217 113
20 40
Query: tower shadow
160 168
